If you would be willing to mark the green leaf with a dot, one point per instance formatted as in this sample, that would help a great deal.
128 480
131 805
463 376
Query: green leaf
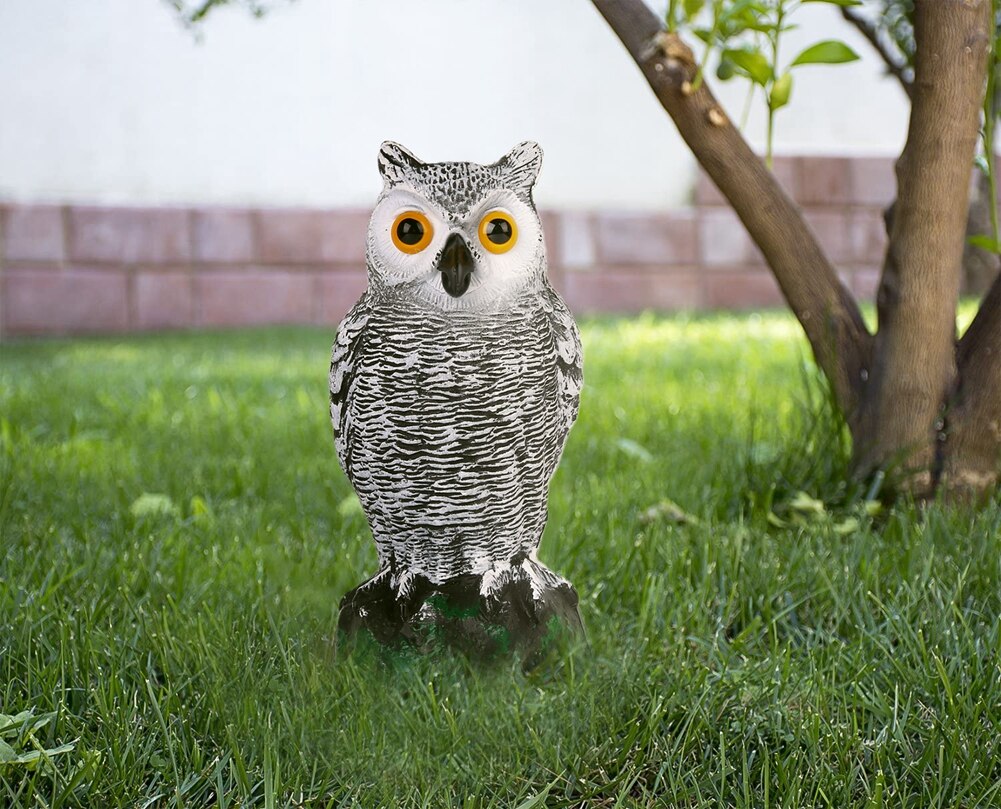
781 90
39 721
847 526
984 243
199 507
668 511
872 508
776 520
58 751
752 62
32 758
15 721
692 7
828 52
837 2
805 504
150 505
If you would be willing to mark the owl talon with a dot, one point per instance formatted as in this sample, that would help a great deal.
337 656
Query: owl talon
509 606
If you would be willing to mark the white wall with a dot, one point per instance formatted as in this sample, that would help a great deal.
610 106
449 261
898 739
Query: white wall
113 101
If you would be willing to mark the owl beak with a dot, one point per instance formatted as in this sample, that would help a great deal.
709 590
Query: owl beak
456 265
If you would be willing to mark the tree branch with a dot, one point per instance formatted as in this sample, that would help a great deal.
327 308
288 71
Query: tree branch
827 311
893 65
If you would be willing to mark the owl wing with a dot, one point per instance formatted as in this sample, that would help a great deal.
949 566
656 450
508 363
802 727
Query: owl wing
343 362
569 371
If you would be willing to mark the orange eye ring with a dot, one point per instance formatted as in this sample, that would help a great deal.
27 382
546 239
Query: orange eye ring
498 232
411 232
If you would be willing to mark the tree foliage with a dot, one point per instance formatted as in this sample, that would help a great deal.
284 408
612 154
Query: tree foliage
746 36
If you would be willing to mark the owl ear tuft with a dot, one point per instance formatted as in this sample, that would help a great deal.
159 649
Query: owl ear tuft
520 167
396 162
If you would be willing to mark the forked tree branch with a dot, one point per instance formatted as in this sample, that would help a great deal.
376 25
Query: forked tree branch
827 311
893 65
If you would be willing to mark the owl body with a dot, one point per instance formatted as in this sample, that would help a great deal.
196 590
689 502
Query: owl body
454 382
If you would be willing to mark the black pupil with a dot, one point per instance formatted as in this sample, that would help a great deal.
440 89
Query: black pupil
499 231
410 231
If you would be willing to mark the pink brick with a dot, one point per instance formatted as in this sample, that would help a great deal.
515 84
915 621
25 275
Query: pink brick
831 230
223 235
741 289
637 238
865 283
706 192
551 236
723 240
620 289
129 235
578 249
824 181
338 292
786 170
873 180
306 236
253 297
163 299
868 235
54 301
34 233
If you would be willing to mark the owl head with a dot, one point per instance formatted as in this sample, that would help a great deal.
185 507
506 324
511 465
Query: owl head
457 235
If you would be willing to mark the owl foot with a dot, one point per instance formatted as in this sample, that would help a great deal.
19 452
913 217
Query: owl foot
517 606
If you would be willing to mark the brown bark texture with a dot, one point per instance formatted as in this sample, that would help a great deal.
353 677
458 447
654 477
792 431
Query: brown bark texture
913 398
970 453
914 362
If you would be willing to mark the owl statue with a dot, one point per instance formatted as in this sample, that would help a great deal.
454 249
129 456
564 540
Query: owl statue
454 382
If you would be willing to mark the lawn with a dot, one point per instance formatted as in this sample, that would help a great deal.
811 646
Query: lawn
176 535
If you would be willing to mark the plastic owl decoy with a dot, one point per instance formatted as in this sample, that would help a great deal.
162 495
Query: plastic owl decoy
454 382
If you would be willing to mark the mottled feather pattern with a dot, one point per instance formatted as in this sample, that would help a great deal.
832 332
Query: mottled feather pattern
457 187
569 357
451 424
343 356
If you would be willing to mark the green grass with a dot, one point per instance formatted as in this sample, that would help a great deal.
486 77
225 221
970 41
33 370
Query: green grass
748 647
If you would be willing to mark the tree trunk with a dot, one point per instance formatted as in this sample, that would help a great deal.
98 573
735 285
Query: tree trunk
912 398
914 361
970 453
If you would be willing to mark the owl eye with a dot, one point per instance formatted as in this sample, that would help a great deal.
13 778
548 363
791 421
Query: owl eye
412 232
498 232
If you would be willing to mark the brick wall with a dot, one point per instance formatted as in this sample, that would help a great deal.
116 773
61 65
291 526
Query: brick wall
76 269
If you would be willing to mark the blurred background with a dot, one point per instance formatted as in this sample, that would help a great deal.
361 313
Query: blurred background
158 175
